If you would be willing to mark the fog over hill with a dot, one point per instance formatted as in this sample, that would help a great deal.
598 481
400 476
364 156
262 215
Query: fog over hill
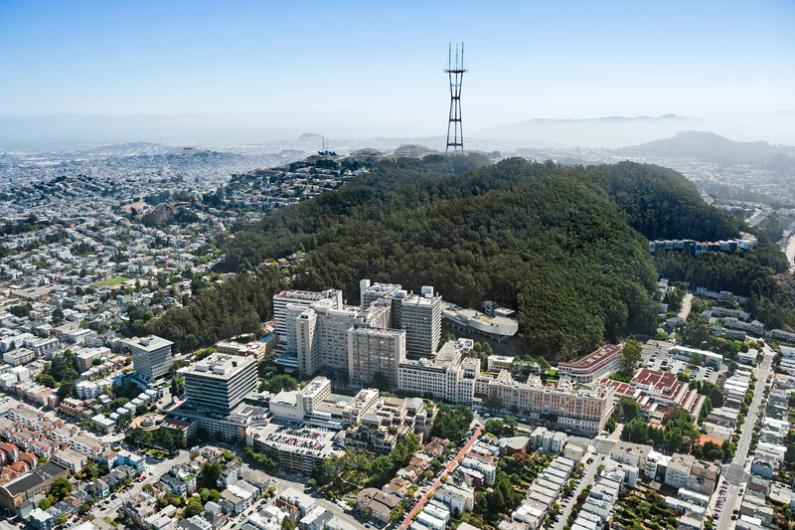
610 131
255 132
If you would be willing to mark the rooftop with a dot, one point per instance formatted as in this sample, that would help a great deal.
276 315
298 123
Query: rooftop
150 343
219 366
595 358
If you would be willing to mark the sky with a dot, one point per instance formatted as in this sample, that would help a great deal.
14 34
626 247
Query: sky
375 68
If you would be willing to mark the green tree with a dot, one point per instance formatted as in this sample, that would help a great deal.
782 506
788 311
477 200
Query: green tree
60 489
696 330
209 474
452 422
282 382
194 507
494 426
630 356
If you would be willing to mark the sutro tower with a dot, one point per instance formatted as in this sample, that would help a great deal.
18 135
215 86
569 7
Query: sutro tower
455 71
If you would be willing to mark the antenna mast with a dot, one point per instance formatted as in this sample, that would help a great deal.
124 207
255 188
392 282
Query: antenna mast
455 73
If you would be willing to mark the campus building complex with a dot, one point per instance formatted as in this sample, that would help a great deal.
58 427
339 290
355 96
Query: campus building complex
419 314
317 331
297 298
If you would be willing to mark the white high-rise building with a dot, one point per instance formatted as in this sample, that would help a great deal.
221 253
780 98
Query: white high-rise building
152 357
419 314
321 335
374 355
297 298
219 382
370 292
318 333
421 317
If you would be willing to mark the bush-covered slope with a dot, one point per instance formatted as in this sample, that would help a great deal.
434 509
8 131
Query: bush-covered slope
543 238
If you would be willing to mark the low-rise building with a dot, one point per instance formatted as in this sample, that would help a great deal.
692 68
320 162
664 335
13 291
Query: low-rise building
14 493
297 450
594 366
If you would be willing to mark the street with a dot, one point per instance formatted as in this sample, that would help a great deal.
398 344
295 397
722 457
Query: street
735 472
588 477
687 304
151 475
438 481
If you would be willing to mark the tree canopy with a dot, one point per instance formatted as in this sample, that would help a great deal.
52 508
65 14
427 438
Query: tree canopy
544 238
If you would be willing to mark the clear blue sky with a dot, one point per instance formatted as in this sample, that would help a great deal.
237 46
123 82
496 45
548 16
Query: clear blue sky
376 67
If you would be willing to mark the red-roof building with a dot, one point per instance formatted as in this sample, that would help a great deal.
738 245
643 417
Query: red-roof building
29 458
11 451
19 466
595 365
658 393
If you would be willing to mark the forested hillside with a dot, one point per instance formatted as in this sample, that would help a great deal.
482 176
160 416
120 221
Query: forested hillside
216 312
757 274
546 239
662 204
562 244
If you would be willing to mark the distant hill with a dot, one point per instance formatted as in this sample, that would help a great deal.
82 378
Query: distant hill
413 151
711 147
130 149
609 131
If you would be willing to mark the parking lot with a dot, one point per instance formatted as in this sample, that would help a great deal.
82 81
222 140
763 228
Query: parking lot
656 357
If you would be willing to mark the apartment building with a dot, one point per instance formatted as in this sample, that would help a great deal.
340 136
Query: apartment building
567 407
19 356
389 421
219 382
677 473
362 403
448 375
152 357
374 356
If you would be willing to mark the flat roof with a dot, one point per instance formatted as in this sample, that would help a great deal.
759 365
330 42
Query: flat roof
150 343
219 366
594 358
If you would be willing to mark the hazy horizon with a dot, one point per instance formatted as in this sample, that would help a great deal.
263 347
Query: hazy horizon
239 72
